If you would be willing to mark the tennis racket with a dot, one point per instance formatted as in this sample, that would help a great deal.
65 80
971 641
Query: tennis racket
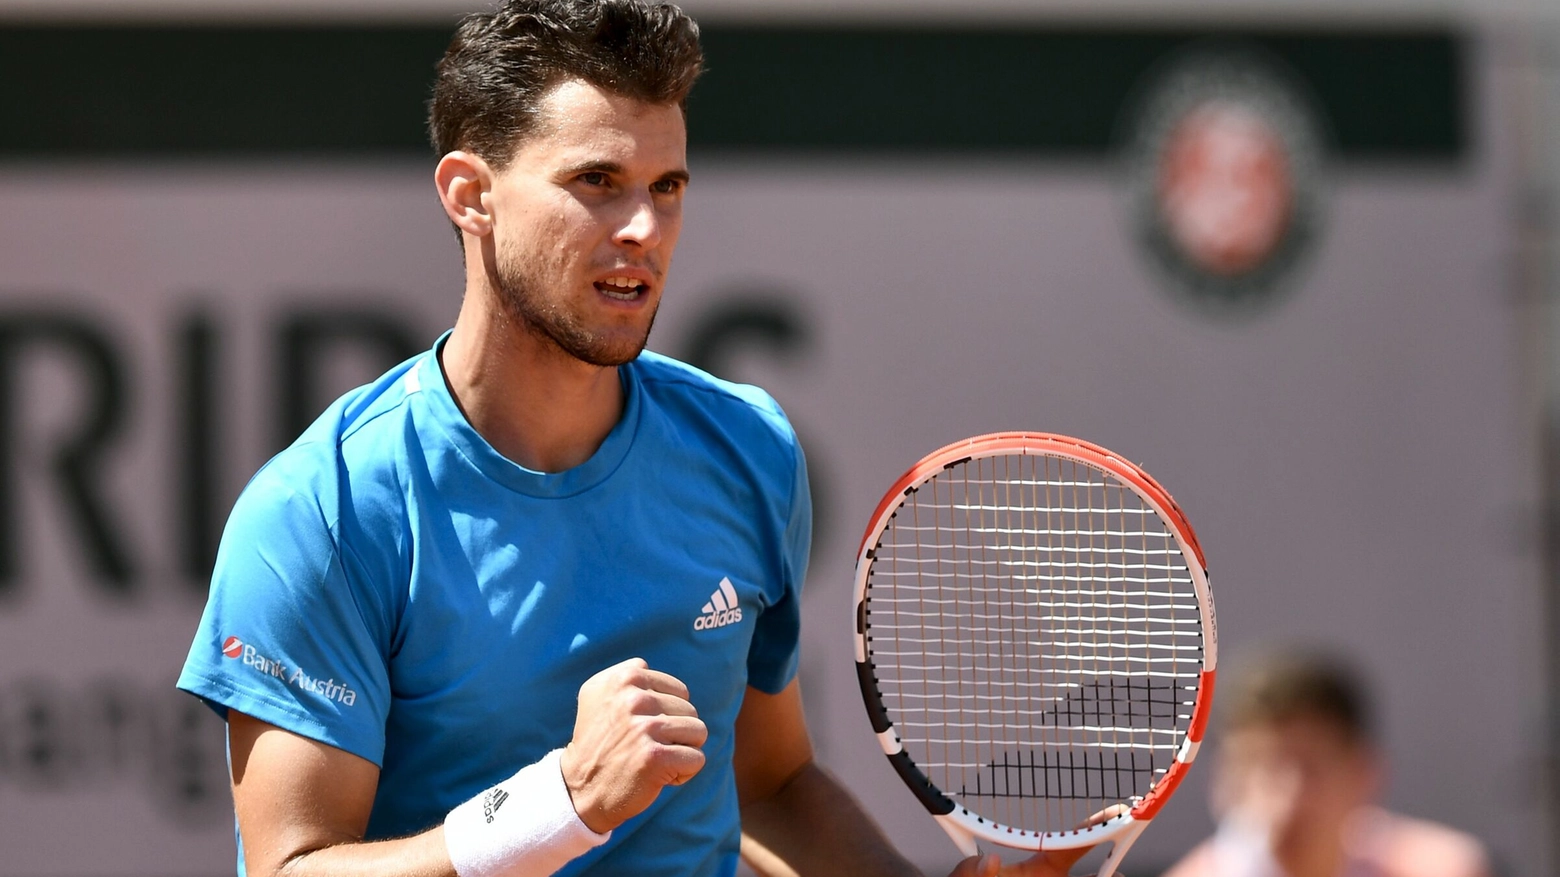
1035 641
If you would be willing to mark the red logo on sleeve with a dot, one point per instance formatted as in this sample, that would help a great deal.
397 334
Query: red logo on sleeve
233 647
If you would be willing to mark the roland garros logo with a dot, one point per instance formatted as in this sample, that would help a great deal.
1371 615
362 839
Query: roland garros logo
330 689
1224 168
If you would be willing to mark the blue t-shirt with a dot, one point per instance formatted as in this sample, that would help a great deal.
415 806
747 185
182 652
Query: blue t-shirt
392 586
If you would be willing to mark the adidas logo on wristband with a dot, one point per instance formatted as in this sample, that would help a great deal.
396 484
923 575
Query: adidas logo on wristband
493 800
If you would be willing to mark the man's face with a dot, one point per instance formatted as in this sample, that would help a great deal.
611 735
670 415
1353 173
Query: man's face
585 219
1298 778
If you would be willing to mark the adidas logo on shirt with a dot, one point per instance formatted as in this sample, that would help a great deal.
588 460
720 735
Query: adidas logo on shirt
721 610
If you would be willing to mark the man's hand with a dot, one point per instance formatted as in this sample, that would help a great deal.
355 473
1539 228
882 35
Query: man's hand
634 734
1261 794
1052 863
1043 864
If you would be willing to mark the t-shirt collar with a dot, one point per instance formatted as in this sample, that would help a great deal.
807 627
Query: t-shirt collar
503 470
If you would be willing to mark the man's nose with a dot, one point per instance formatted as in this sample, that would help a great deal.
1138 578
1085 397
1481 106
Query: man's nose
642 227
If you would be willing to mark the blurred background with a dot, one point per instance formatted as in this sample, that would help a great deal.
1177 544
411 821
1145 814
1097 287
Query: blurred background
1298 259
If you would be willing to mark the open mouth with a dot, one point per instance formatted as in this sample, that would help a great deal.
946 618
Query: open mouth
621 288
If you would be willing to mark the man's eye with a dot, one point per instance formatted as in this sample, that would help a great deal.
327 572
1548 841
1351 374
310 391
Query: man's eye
594 178
665 187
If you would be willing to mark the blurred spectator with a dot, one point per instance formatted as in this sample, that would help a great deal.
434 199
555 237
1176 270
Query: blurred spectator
1297 771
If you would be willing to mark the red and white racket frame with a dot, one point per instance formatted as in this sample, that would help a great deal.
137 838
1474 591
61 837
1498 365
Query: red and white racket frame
964 827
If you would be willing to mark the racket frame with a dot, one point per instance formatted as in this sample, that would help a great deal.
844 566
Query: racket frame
964 826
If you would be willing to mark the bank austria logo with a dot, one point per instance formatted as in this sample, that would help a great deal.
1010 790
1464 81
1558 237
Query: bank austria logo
330 689
721 610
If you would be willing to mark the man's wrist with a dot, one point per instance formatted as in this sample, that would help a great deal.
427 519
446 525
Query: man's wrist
526 824
576 785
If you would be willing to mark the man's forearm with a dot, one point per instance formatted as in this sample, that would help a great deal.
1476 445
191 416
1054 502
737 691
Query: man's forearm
421 855
814 826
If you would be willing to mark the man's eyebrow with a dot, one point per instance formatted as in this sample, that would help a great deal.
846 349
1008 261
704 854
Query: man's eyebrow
592 165
603 166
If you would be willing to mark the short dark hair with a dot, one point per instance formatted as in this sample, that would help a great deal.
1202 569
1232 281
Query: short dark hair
1293 685
500 64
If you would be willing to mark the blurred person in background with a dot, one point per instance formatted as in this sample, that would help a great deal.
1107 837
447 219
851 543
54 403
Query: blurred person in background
1295 782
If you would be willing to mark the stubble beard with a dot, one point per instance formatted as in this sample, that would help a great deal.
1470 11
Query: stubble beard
553 323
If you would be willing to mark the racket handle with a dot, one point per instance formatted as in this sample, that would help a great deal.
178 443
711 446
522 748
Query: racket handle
961 838
1119 847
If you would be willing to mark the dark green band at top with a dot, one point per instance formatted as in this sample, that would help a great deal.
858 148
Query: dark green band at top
1053 92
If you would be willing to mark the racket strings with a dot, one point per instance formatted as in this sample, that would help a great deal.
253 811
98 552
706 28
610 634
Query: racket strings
1037 639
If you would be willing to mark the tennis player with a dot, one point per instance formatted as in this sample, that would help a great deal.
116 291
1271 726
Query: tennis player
528 603
1295 777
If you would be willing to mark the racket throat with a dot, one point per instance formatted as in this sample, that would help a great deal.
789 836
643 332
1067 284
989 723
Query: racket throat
1119 847
1120 842
960 836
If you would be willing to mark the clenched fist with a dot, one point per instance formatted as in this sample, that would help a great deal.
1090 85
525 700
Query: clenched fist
634 734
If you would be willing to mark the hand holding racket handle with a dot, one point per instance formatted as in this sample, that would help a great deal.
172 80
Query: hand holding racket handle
1046 863
1035 643
635 733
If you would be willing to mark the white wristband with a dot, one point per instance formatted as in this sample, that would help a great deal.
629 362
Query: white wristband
523 827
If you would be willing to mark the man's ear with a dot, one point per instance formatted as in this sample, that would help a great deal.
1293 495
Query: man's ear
463 179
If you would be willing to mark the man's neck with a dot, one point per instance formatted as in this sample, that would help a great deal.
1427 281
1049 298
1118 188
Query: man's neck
532 402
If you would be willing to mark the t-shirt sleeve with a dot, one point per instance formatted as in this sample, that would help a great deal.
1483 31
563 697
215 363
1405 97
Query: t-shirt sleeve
287 637
777 640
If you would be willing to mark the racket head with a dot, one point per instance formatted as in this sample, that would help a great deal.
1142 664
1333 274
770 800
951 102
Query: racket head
950 569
